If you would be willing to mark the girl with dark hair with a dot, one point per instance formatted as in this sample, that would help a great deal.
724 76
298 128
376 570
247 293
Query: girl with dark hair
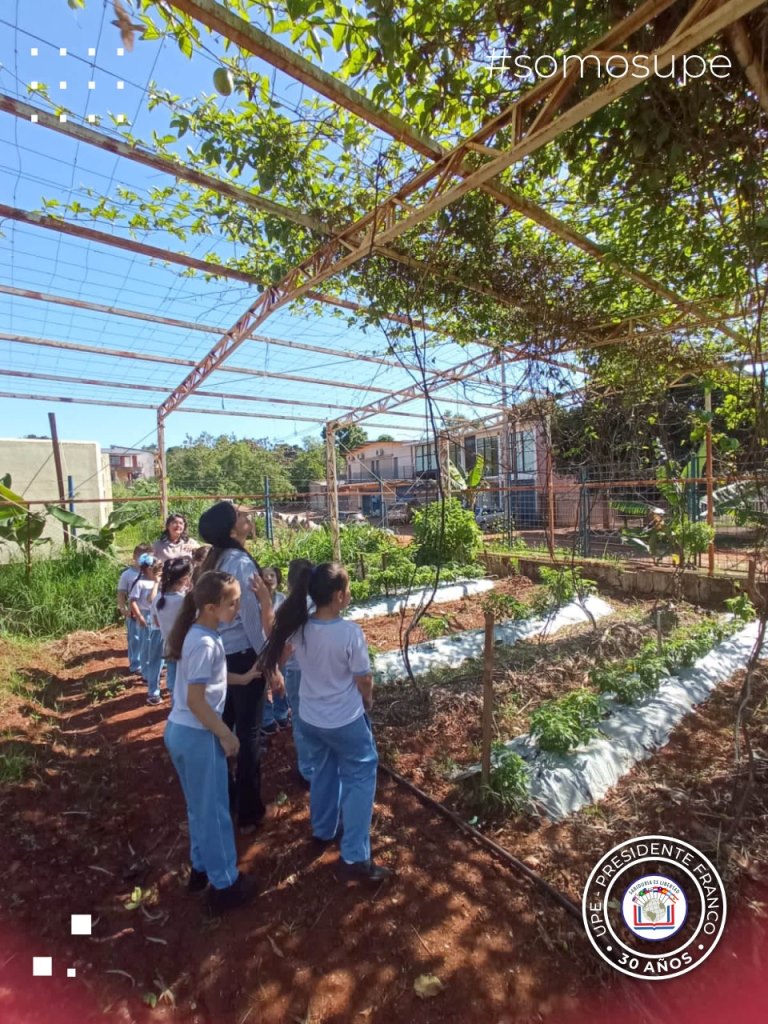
200 742
336 692
140 598
226 528
174 541
175 581
276 711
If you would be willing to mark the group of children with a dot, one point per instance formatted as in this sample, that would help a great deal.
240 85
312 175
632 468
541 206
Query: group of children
178 610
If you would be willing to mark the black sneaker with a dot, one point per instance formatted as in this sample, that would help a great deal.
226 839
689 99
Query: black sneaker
321 843
283 724
198 880
362 870
270 730
154 701
242 891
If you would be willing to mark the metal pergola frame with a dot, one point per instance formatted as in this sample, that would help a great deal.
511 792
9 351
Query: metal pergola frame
540 115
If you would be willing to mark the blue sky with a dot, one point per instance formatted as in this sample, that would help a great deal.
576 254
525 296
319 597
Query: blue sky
36 163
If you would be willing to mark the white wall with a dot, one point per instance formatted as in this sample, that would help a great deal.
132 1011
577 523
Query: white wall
32 468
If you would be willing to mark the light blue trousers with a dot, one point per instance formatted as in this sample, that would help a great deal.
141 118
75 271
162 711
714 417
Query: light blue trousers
151 659
343 784
170 675
292 682
134 644
275 710
199 760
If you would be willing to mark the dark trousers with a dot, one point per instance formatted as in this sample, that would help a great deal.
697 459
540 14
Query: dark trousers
243 712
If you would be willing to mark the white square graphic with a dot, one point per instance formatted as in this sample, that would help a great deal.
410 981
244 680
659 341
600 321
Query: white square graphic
120 51
121 85
91 51
71 972
62 85
33 85
63 118
91 119
81 924
91 85
34 52
42 966
62 51
120 118
33 118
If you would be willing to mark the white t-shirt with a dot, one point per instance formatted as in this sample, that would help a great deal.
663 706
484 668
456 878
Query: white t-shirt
330 653
141 593
203 663
166 616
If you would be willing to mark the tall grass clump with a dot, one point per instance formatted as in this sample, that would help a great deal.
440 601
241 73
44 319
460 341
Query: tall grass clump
74 590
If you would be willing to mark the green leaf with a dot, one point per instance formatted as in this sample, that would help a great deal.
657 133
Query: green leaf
68 518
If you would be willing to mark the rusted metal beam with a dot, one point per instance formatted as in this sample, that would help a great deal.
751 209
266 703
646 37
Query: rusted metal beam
40 220
157 389
394 216
754 72
178 170
146 405
188 325
71 346
551 93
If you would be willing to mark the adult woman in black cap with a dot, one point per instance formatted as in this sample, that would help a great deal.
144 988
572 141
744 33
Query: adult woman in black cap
226 528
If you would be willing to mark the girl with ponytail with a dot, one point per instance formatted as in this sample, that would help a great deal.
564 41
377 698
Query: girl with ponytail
226 528
199 741
336 691
175 581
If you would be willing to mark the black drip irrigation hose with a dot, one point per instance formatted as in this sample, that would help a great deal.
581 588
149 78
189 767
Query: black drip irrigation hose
499 851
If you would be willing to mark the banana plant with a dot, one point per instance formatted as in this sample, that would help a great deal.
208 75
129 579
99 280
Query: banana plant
468 484
19 525
102 538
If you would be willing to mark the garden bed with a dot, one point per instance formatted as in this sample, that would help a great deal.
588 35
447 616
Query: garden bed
383 632
99 814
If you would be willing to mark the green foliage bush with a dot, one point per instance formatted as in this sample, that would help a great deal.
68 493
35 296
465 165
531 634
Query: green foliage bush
505 606
568 721
509 784
76 590
446 532
637 677
434 626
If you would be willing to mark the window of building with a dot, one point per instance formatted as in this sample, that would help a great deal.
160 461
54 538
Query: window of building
526 451
425 458
488 447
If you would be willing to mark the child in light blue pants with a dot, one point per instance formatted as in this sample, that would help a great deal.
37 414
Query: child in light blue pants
335 691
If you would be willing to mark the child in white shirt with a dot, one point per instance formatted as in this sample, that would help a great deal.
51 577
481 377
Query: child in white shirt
175 581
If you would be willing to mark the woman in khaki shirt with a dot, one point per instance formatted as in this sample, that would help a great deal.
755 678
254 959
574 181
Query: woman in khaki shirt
174 541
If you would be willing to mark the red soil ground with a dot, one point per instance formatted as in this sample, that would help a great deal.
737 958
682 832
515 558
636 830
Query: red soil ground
101 813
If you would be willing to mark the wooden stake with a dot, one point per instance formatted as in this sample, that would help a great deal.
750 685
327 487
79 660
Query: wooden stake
710 486
487 699
59 471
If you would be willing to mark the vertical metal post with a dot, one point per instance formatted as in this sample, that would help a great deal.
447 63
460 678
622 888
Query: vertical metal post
332 489
550 490
163 470
583 513
506 454
268 528
71 495
443 467
382 505
59 470
710 485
